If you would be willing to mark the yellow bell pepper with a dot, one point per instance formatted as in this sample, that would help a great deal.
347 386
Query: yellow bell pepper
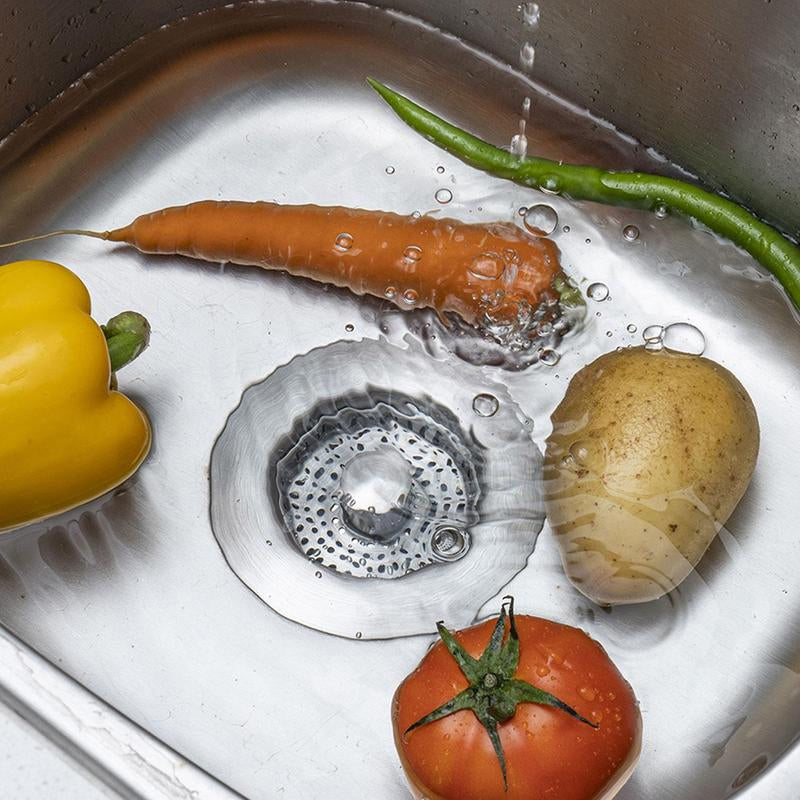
65 436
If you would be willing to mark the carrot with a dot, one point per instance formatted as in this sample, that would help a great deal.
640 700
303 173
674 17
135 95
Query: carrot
473 270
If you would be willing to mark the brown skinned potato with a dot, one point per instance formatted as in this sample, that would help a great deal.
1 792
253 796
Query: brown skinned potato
649 455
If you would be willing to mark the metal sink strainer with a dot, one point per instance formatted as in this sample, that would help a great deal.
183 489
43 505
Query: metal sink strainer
368 490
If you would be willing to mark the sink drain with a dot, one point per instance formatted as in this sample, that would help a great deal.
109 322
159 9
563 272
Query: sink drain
357 490
365 491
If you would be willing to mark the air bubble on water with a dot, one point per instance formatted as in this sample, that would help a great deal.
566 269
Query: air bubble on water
358 634
416 214
485 405
549 357
565 229
440 169
443 196
317 574
631 328
390 292
527 55
540 220
344 241
681 337
349 327
630 233
410 296
597 292
653 336
531 14
412 253
390 170
609 334
522 211
487 266
660 211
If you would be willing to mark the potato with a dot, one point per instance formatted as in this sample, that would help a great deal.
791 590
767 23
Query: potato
649 455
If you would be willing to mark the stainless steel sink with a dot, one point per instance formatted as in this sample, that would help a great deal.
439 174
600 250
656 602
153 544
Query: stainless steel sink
128 638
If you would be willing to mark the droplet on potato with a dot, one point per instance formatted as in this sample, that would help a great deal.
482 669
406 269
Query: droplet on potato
649 455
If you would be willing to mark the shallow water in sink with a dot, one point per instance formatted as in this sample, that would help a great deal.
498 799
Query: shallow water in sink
133 596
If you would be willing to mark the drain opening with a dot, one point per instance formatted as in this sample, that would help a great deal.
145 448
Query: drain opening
377 492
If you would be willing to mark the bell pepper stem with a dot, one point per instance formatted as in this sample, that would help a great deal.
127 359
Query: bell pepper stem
127 335
632 189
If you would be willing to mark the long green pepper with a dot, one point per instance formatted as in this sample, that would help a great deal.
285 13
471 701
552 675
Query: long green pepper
632 189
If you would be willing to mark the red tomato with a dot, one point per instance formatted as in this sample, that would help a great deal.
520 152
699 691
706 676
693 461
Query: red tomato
549 754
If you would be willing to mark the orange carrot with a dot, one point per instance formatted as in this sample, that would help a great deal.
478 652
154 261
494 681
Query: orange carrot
469 269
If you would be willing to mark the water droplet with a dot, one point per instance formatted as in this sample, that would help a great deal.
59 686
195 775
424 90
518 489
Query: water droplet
527 55
609 334
412 253
631 328
586 693
349 328
487 266
440 169
549 357
410 296
542 671
660 211
519 145
390 170
443 196
565 229
681 337
317 574
550 184
630 233
358 634
485 405
344 241
522 210
416 214
597 292
390 293
541 220
531 14
587 240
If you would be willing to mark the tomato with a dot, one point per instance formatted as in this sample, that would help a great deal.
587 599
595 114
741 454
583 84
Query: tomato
547 747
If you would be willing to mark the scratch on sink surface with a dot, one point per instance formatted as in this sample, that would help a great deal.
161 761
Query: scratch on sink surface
305 738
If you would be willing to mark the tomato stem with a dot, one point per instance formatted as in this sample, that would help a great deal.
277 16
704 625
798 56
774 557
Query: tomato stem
494 693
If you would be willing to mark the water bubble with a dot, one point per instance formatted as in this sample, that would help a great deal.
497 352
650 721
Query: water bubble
631 328
344 241
565 229
653 336
415 214
349 327
541 220
485 405
522 211
443 196
412 253
527 55
609 334
531 14
681 337
549 357
630 233
487 266
440 169
597 292
410 296
358 634
390 292
660 211
390 170
449 543
317 574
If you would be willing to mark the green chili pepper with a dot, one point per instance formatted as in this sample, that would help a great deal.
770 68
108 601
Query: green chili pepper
633 189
